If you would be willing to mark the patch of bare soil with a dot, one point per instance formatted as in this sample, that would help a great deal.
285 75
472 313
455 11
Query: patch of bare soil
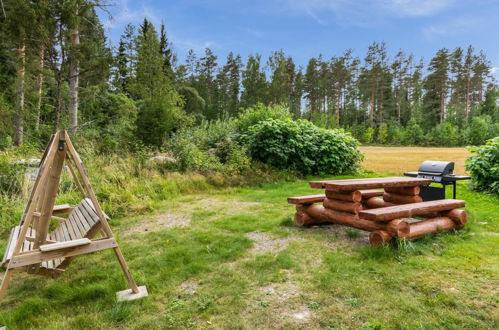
160 222
285 299
264 243
279 292
189 287
345 235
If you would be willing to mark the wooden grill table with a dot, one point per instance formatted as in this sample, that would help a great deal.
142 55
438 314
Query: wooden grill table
380 206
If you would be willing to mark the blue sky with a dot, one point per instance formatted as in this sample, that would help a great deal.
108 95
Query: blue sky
304 29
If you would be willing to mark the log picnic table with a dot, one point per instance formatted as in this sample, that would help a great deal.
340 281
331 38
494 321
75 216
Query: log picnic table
356 203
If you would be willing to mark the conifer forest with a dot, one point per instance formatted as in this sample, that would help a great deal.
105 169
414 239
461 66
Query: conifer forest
59 71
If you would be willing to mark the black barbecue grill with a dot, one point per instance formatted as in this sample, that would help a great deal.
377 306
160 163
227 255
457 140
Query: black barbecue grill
439 172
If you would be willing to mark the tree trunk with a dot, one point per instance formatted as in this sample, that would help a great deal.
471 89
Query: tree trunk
74 71
442 108
338 106
39 86
468 83
19 115
371 110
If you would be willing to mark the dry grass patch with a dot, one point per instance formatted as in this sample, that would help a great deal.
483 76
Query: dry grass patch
397 160
264 243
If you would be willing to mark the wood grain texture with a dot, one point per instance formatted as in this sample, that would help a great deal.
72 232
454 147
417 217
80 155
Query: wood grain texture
351 196
409 191
337 205
396 227
368 183
430 226
401 199
409 210
310 199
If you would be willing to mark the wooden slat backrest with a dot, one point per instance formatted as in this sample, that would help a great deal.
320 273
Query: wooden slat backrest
81 223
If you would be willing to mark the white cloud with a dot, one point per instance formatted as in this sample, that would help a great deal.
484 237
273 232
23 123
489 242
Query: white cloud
407 8
197 45
495 71
122 14
457 26
361 12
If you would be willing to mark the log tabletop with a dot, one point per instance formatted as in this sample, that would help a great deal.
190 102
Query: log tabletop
369 183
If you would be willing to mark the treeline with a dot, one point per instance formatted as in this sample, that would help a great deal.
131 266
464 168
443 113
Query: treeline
58 71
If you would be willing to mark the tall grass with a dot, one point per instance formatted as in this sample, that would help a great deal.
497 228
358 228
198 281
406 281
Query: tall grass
125 184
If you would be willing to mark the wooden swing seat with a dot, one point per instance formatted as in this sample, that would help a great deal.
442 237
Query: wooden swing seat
81 225
34 248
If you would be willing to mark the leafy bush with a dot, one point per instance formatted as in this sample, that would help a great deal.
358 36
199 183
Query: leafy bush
484 166
382 136
210 146
413 134
368 136
302 146
479 130
445 134
260 112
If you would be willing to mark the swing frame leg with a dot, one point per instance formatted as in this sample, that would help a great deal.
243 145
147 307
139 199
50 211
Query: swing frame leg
5 283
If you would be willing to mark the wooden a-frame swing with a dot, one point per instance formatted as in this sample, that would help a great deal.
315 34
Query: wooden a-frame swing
31 247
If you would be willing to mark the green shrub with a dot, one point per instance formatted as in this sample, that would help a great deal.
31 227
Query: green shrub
484 166
301 146
479 130
413 134
382 136
190 157
260 112
445 134
212 145
368 136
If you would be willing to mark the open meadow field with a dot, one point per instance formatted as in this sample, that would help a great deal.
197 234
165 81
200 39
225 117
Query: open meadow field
231 258
397 160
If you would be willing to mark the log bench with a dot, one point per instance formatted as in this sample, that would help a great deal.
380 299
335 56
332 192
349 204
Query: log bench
355 196
410 210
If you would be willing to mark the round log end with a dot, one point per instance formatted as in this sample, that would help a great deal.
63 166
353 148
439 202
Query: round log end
402 228
301 218
379 237
460 217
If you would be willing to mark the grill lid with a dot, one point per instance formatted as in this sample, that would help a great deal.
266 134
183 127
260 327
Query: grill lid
434 167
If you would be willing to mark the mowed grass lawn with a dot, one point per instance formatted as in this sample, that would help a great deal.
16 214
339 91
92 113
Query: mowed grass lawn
231 258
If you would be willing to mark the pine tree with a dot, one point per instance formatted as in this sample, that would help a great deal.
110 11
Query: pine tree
166 51
254 82
297 94
436 88
206 84
311 87
19 15
124 61
233 71
281 81
375 80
